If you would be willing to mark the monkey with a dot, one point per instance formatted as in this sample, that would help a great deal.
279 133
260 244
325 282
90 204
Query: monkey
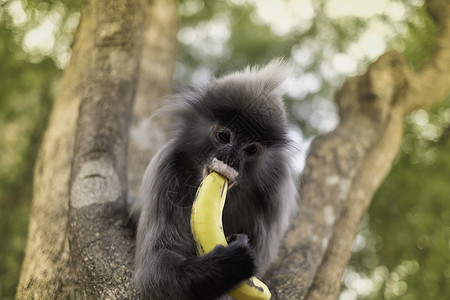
237 123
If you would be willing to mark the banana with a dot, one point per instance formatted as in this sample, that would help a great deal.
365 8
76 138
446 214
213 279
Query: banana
206 226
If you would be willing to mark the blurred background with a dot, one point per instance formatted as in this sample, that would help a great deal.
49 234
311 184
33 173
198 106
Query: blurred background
403 248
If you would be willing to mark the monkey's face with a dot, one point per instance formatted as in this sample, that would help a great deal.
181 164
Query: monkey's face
230 152
233 132
238 145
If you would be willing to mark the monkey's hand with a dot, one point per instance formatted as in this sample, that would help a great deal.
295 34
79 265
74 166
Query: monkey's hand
206 226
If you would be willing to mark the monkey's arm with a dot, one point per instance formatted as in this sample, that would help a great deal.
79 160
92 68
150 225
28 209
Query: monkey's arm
165 274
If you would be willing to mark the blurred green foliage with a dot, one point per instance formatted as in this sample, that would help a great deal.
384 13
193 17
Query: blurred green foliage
406 233
402 250
411 213
407 229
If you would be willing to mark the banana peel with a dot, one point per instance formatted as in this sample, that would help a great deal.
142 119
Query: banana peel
207 229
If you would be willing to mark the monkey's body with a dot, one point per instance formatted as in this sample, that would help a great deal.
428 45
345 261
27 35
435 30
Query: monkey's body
227 121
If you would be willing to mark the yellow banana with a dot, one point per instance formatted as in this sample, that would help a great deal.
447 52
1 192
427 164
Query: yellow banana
206 226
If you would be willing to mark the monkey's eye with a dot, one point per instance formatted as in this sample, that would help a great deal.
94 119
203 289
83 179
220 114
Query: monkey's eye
251 149
224 136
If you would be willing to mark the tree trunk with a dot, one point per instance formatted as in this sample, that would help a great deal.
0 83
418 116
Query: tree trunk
79 243
94 107
155 82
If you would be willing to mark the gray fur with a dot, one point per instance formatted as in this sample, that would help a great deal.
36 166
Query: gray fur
225 120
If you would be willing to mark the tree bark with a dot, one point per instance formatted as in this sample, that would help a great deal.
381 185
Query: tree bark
147 134
83 154
80 245
101 245
345 167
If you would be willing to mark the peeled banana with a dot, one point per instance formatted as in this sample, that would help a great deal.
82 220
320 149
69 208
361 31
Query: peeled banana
206 226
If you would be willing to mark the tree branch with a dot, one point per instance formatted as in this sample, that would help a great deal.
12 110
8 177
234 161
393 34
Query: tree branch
344 168
333 167
430 84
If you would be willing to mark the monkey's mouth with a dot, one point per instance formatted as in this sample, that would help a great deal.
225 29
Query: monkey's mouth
223 169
